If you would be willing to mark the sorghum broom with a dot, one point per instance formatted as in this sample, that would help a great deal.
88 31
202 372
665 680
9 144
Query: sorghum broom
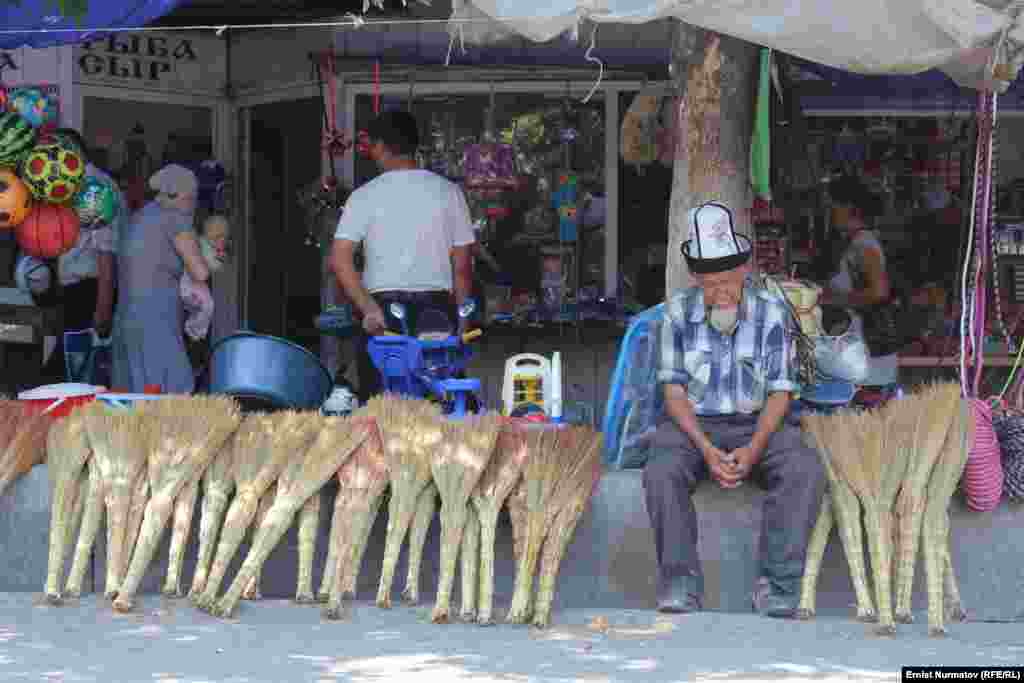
362 481
469 563
90 526
858 453
303 476
181 528
253 590
945 477
939 401
68 450
26 450
189 432
266 444
581 473
309 523
12 413
540 478
118 438
457 464
426 507
218 484
840 507
410 429
500 477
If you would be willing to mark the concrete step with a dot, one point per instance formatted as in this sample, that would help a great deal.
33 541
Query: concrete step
611 562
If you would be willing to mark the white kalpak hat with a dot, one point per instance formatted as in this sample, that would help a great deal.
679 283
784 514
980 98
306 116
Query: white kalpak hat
713 245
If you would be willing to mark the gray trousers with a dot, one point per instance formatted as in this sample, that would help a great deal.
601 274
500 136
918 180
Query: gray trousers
789 471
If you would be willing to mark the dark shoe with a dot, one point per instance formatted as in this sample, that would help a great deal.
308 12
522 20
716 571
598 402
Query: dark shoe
677 596
777 599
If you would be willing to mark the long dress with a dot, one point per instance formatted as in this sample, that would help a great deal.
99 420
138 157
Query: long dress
148 346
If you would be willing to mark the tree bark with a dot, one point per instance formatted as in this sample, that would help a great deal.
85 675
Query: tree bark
717 76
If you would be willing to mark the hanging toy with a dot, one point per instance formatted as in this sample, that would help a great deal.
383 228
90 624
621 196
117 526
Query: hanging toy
33 105
563 199
48 231
17 138
96 202
53 173
15 199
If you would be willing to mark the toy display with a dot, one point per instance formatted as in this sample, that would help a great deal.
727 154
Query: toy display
15 200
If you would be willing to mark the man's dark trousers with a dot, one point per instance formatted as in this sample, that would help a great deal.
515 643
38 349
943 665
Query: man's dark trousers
789 471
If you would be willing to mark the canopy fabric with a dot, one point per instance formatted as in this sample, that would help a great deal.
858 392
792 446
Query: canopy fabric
36 15
867 36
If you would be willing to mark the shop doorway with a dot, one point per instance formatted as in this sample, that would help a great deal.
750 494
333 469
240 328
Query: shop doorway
284 267
133 140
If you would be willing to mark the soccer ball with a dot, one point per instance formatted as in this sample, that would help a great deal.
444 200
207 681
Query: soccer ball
53 173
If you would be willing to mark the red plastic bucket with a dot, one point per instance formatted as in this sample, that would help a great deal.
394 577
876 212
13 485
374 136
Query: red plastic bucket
58 400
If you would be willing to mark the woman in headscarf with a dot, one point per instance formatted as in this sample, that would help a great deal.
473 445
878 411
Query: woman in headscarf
155 249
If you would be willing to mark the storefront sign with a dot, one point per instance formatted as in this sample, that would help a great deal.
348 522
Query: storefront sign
135 56
173 61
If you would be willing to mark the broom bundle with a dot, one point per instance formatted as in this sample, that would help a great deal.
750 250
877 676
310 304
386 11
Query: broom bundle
578 477
411 429
939 402
304 474
26 449
187 433
362 480
549 463
938 564
840 508
12 414
500 477
457 464
265 445
67 451
119 439
93 505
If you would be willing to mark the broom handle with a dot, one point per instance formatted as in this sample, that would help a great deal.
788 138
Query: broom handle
469 555
184 509
62 507
87 534
488 516
158 511
215 502
277 522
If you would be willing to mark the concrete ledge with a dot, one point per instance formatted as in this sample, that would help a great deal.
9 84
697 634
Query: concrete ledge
610 563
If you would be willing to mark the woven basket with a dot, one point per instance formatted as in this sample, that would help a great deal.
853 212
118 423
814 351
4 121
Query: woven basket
1009 428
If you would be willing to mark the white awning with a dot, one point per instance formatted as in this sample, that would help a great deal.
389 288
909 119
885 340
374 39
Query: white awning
862 36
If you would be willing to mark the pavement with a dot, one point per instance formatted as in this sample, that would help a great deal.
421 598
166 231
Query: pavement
168 641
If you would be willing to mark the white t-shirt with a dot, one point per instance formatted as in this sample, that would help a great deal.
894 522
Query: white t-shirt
409 221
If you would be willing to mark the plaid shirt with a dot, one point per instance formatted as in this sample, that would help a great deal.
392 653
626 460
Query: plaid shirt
726 375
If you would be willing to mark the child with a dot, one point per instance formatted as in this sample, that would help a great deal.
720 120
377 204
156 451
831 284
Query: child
196 295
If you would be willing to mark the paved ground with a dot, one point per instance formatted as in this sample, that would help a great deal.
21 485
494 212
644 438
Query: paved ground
276 641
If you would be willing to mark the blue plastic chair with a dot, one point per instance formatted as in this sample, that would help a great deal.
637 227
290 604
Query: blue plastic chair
633 389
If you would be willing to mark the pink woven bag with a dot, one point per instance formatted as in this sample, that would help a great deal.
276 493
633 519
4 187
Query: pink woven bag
983 476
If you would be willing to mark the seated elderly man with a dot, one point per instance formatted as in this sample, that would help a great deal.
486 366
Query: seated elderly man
727 371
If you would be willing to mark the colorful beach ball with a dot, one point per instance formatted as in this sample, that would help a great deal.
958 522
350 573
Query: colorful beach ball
95 203
53 173
33 105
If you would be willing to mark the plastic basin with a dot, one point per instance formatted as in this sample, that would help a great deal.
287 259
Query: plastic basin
58 400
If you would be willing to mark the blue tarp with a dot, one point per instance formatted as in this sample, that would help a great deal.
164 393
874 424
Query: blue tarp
36 15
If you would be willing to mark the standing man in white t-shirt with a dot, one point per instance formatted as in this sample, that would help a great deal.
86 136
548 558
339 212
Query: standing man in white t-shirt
417 240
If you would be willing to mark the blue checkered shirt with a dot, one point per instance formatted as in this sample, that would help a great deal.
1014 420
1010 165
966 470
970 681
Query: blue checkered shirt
728 375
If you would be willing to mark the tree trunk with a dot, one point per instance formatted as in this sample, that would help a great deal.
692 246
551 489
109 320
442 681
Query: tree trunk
718 77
